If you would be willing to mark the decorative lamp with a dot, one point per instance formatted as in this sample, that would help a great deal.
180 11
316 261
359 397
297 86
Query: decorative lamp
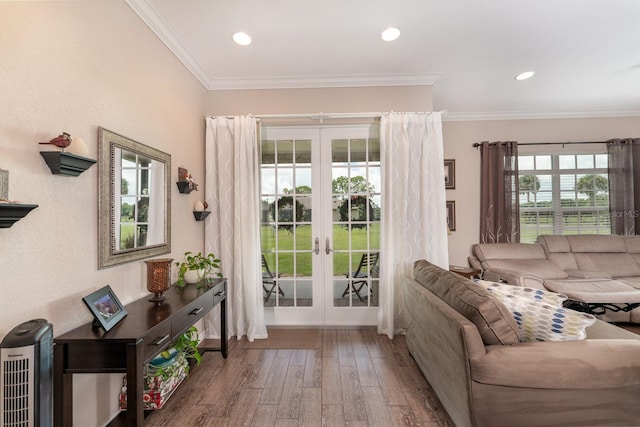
158 277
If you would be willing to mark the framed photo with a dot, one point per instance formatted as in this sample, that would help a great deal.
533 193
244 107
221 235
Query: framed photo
451 215
4 185
449 173
105 307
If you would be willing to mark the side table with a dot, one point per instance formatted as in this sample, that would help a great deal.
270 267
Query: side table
468 272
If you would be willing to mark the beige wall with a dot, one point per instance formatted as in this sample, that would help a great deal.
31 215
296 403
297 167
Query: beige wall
458 140
327 100
74 66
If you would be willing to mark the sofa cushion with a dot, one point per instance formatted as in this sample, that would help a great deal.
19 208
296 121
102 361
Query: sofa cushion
632 243
494 321
595 291
558 251
538 319
590 243
525 257
613 264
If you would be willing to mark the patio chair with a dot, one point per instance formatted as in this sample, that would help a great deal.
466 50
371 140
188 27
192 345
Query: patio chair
269 280
366 269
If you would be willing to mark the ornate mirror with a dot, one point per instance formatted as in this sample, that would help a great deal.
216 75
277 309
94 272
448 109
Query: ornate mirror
134 200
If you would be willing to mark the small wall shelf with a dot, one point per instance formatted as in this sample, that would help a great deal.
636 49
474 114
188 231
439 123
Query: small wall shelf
66 164
10 213
200 215
183 187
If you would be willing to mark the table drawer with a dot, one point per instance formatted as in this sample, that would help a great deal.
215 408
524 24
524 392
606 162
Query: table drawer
191 314
157 339
219 293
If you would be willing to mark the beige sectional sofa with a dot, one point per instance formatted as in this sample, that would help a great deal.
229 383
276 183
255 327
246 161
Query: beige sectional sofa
593 270
466 344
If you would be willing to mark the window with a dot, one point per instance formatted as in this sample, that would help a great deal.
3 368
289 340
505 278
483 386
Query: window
563 194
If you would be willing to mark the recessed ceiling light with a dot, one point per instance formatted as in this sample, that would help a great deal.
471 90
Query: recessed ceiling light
524 76
390 34
243 39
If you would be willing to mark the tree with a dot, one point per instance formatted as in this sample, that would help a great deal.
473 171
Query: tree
592 185
529 184
357 184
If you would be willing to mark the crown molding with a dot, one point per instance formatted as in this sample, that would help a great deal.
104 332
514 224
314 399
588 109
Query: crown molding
535 115
294 82
150 16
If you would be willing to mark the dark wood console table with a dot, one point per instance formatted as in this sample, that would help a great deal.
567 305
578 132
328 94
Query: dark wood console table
147 329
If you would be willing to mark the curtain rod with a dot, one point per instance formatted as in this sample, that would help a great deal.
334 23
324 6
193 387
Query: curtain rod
322 116
477 144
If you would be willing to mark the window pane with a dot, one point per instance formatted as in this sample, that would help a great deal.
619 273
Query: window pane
358 150
602 161
543 162
303 151
585 161
567 161
525 163
285 152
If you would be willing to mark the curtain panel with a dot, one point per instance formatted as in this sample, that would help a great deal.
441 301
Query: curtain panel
413 223
232 231
624 185
499 204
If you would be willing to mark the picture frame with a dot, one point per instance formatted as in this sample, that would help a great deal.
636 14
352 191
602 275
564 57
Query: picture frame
449 174
106 308
4 184
451 215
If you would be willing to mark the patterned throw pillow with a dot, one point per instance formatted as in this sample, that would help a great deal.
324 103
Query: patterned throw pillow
540 318
551 298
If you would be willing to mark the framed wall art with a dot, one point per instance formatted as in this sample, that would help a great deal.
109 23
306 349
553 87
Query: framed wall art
451 215
105 307
449 174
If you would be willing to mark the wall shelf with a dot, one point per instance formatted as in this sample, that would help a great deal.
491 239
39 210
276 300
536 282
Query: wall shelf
200 215
10 213
66 164
183 187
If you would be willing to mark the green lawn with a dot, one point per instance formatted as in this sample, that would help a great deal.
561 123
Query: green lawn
297 244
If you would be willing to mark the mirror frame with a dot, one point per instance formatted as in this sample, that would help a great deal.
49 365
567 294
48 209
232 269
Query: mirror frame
107 255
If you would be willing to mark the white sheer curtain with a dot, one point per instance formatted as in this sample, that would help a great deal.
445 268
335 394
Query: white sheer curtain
414 224
232 231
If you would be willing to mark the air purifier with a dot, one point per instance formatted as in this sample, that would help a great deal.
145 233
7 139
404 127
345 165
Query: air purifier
26 375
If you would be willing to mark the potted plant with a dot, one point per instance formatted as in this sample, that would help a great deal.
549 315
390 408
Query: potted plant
202 264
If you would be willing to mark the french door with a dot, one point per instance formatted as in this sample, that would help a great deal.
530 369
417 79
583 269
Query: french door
320 224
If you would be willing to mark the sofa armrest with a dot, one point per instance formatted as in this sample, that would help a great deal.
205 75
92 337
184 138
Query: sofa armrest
584 364
587 274
514 277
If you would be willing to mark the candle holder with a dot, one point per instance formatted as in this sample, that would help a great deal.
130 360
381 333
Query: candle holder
158 277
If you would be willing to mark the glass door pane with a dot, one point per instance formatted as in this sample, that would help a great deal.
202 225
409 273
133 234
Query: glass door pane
287 228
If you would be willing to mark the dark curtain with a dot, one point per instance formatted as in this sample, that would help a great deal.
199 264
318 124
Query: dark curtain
624 185
499 205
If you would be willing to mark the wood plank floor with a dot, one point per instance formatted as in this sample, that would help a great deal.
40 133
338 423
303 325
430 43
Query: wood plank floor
354 377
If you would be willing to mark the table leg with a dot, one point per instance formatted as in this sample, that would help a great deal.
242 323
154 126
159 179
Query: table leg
135 384
62 389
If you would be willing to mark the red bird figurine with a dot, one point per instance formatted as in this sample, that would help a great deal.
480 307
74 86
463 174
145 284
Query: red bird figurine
61 141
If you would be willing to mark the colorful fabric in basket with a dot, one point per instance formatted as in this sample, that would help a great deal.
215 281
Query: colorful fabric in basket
159 383
539 314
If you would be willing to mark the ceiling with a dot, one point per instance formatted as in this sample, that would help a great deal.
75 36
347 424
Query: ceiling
586 53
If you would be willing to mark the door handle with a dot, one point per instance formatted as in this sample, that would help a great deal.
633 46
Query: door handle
327 249
317 246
